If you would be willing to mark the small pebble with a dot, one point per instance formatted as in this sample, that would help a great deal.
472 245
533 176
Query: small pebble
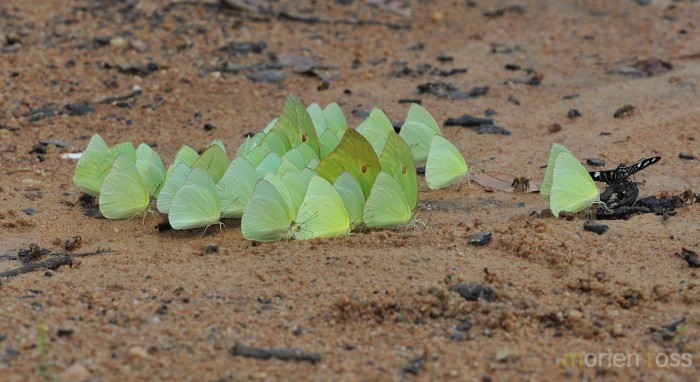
137 352
74 372
592 226
480 238
29 210
595 162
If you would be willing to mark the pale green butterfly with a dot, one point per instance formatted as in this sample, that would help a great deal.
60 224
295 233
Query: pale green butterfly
297 125
418 132
196 204
335 119
249 143
328 141
296 188
269 126
445 164
554 152
300 155
307 174
236 187
268 215
318 118
277 141
396 159
573 188
257 155
375 129
92 169
186 155
123 193
351 194
386 206
151 168
213 160
173 183
355 155
322 213
269 165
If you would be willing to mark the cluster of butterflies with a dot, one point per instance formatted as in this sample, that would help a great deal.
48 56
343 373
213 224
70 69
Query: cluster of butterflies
569 187
305 175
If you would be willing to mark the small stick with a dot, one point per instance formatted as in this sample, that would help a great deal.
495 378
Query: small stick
285 354
51 263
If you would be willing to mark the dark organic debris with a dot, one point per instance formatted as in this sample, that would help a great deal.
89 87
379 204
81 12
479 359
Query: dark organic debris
480 238
488 128
55 142
415 366
236 48
72 243
686 156
513 100
268 75
128 96
624 111
163 226
51 263
591 226
691 257
516 9
78 109
411 100
284 354
620 194
209 127
595 162
501 48
512 67
534 80
210 249
284 15
29 256
573 113
642 68
474 291
467 120
666 332
87 200
135 69
620 198
571 96
442 89
64 332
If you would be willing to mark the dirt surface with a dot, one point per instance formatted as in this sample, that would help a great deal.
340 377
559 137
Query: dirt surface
378 305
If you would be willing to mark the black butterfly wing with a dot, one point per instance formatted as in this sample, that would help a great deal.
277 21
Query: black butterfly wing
607 176
641 165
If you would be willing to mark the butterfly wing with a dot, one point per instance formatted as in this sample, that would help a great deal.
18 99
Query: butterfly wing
351 194
396 159
322 213
123 193
173 183
355 155
386 206
375 129
572 188
445 164
236 188
196 204
214 161
266 217
151 168
335 118
186 155
418 132
297 125
554 152
91 172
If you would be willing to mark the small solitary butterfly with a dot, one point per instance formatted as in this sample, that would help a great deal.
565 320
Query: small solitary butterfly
622 172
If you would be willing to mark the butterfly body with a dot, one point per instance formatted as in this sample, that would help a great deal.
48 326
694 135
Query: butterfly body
622 172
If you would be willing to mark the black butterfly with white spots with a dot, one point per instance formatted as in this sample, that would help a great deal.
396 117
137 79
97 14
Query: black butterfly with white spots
622 172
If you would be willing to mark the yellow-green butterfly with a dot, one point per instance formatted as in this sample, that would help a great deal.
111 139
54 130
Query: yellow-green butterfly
236 188
196 204
354 155
397 161
375 129
123 193
151 168
186 155
322 213
546 187
269 214
573 188
297 125
445 164
351 194
418 132
387 206
93 166
213 160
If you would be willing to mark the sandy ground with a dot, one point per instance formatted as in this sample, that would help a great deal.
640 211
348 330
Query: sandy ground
371 304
